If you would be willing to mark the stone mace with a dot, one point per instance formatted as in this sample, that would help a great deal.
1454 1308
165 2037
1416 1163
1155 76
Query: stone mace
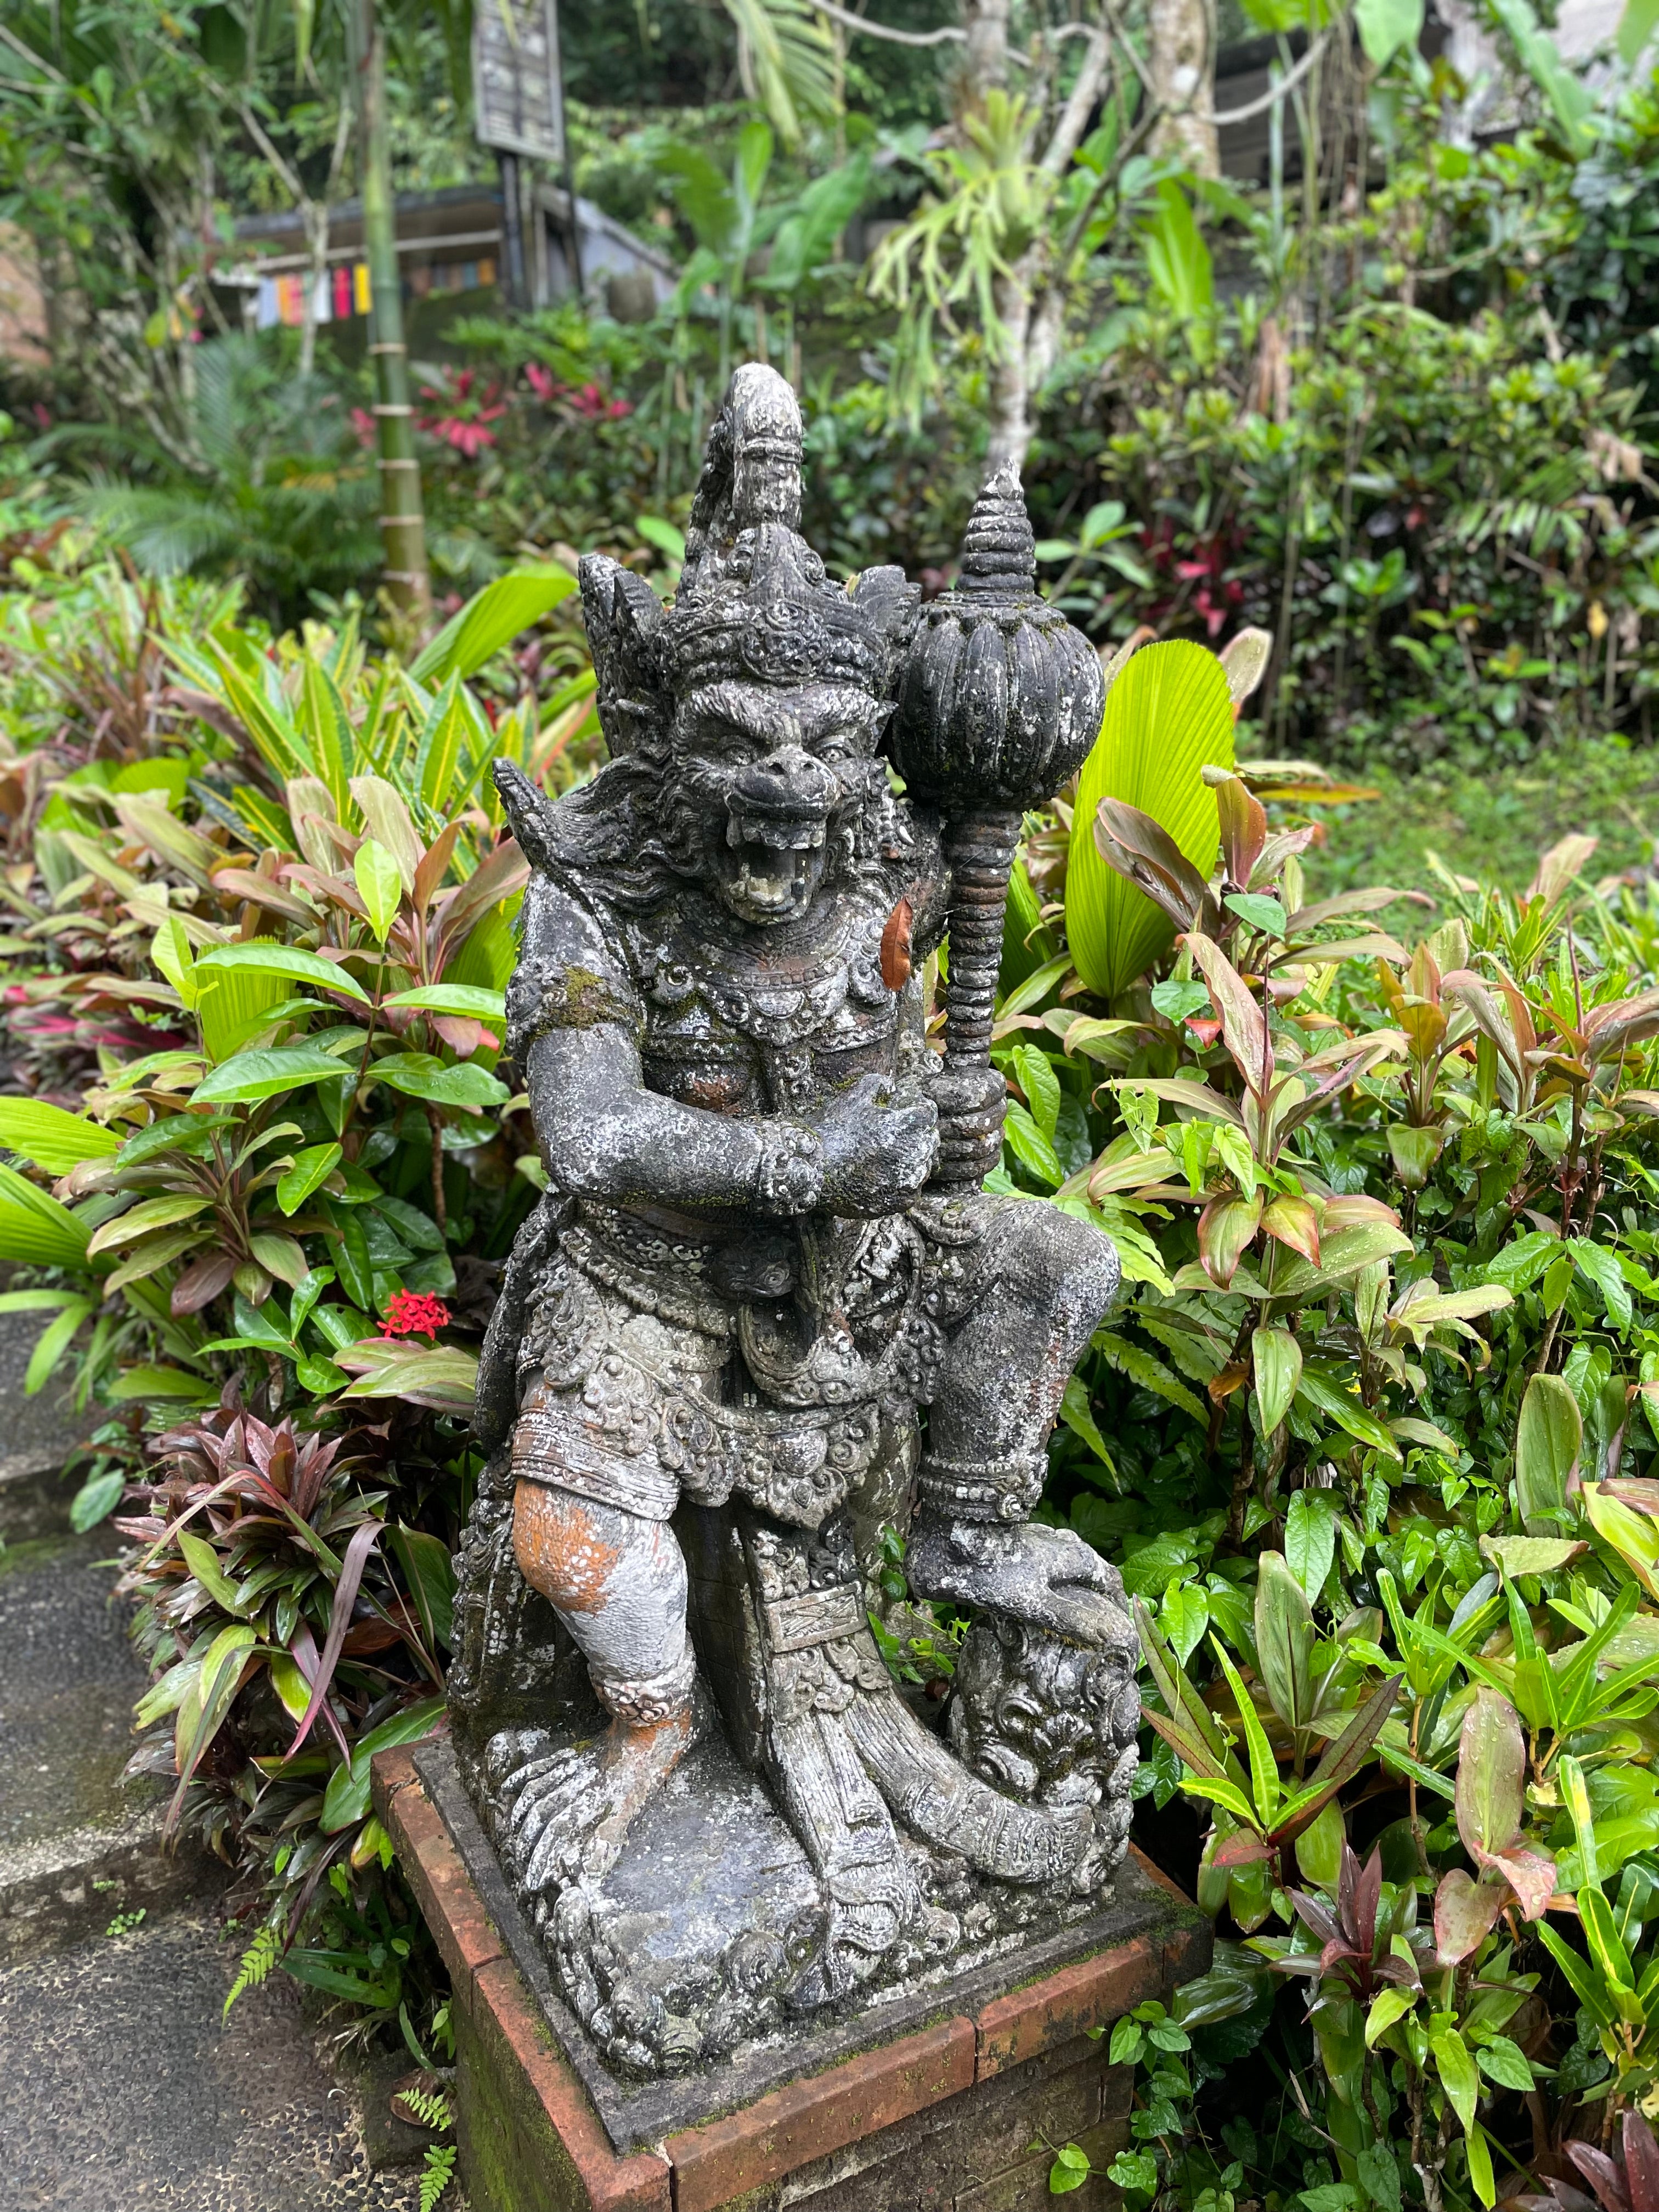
1001 705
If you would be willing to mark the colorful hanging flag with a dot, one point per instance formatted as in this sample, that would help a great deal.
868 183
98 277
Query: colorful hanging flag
359 286
340 278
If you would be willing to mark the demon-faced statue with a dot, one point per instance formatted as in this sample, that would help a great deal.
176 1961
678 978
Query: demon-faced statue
764 1261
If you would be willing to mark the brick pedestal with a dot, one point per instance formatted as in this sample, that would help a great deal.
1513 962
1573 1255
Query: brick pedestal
962 2112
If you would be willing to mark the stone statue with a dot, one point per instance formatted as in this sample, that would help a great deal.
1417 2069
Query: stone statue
764 1249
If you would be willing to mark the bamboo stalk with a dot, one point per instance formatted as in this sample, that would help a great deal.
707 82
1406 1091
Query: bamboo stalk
403 524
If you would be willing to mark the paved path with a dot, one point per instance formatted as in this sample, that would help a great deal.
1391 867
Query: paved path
122 2087
121 2084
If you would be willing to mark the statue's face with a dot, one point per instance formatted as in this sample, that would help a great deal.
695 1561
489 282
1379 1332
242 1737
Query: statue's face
768 785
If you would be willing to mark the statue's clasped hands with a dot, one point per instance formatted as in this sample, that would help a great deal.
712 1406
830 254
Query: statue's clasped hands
877 1153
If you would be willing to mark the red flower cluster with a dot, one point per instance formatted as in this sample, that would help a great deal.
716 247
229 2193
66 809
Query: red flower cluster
585 399
465 428
414 1313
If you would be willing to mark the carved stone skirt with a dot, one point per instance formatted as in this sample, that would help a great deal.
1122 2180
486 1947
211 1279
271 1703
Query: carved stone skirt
644 1380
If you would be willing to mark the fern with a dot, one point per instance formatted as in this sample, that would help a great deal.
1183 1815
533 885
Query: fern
437 2169
429 2106
257 1960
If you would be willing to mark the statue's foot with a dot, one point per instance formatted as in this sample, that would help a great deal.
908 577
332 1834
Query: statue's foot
567 1814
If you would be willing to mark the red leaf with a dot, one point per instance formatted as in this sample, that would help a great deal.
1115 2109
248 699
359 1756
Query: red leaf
201 1283
1463 1911
363 1540
895 946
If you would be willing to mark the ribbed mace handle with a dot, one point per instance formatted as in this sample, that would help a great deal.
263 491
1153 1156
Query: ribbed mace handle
980 849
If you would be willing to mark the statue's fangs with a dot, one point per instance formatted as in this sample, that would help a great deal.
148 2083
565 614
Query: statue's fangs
763 1252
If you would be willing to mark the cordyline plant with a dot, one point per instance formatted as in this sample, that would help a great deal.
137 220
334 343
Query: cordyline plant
1370 1438
278 1145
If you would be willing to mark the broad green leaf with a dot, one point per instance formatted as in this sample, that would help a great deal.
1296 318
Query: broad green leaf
170 953
1168 716
234 1003
1319 1847
1601 1266
1531 1555
204 1563
428 1574
329 728
1327 1396
346 1800
422 1075
1388 28
1636 28
138 1220
1178 263
1276 1358
498 614
1492 1769
1549 1439
380 884
36 1228
443 1376
279 1255
266 1073
1285 1634
1034 1073
147 1381
51 1137
311 1168
51 1344
1184 1616
1310 1538
98 1496
1388 2006
1505 2062
285 960
464 999
1458 2074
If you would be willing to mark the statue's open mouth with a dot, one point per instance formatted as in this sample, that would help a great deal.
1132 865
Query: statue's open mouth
775 859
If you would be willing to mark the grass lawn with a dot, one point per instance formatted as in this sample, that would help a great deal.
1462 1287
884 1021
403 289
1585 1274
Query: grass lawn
1495 824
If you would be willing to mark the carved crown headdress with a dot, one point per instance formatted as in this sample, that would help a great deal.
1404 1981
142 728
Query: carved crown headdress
754 602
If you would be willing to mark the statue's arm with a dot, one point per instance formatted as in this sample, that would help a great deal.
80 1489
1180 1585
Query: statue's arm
604 1135
575 1025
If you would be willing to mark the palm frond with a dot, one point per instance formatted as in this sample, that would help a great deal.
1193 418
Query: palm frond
787 59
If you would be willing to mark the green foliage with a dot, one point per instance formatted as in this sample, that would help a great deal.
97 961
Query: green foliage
289 1134
1380 1485
1168 717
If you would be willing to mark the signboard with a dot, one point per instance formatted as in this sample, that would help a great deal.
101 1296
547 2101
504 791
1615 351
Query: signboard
516 94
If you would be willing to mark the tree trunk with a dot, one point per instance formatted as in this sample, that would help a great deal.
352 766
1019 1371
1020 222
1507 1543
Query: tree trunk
403 528
985 66
1182 38
1009 373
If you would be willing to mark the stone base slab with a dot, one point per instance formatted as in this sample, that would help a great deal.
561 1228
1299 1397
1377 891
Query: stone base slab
959 2112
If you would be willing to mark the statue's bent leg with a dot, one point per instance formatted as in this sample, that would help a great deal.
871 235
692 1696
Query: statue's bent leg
617 1582
1046 1280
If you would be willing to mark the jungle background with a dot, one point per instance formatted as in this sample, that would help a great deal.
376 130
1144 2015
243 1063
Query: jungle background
1334 397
